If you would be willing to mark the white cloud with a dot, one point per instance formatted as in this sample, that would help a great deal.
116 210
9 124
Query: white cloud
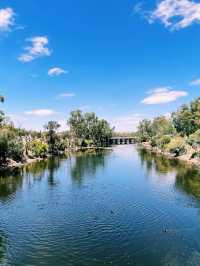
65 95
6 19
163 95
176 14
40 112
38 48
195 82
56 71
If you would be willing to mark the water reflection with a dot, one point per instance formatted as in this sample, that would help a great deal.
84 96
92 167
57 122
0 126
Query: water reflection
86 164
2 249
82 164
187 178
158 162
10 185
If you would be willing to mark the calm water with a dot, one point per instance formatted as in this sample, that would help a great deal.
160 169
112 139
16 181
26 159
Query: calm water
120 207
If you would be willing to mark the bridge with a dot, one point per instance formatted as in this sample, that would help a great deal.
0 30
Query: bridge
121 140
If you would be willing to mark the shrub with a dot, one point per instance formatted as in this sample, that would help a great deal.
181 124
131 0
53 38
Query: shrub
15 150
10 146
194 139
38 148
177 146
162 141
153 142
196 155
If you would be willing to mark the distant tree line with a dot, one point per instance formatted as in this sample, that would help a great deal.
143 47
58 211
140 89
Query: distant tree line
85 130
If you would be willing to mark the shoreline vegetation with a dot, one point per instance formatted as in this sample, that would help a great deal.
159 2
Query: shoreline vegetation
175 136
19 147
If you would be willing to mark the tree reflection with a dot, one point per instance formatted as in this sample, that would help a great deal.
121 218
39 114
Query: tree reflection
187 177
2 249
188 180
53 165
12 182
86 164
158 162
9 185
38 170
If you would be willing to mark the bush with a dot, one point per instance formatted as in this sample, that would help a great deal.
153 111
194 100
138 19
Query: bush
177 146
194 139
196 155
38 148
3 146
153 142
10 146
15 150
160 142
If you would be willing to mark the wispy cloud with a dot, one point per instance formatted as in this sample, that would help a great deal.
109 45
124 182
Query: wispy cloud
174 14
56 71
163 95
126 123
195 82
65 95
41 112
7 19
38 48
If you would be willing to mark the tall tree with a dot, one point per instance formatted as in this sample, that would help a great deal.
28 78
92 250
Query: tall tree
2 115
52 138
77 126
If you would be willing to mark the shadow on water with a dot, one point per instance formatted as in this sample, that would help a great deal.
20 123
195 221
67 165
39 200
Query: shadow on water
9 185
82 164
2 249
187 177
86 164
39 169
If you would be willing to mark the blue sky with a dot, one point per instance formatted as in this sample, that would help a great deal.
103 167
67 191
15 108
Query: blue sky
125 60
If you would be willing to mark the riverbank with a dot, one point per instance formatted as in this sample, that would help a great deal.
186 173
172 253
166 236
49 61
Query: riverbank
12 165
186 158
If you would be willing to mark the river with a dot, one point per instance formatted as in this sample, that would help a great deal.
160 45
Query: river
118 207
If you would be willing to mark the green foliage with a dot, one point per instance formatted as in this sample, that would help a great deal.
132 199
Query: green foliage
187 119
38 148
77 125
162 126
154 131
52 137
11 146
196 154
160 141
144 133
194 139
2 115
88 128
177 146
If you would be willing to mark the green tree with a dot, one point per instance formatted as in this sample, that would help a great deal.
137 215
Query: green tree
51 134
184 121
2 115
77 126
89 129
145 130
187 119
162 126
